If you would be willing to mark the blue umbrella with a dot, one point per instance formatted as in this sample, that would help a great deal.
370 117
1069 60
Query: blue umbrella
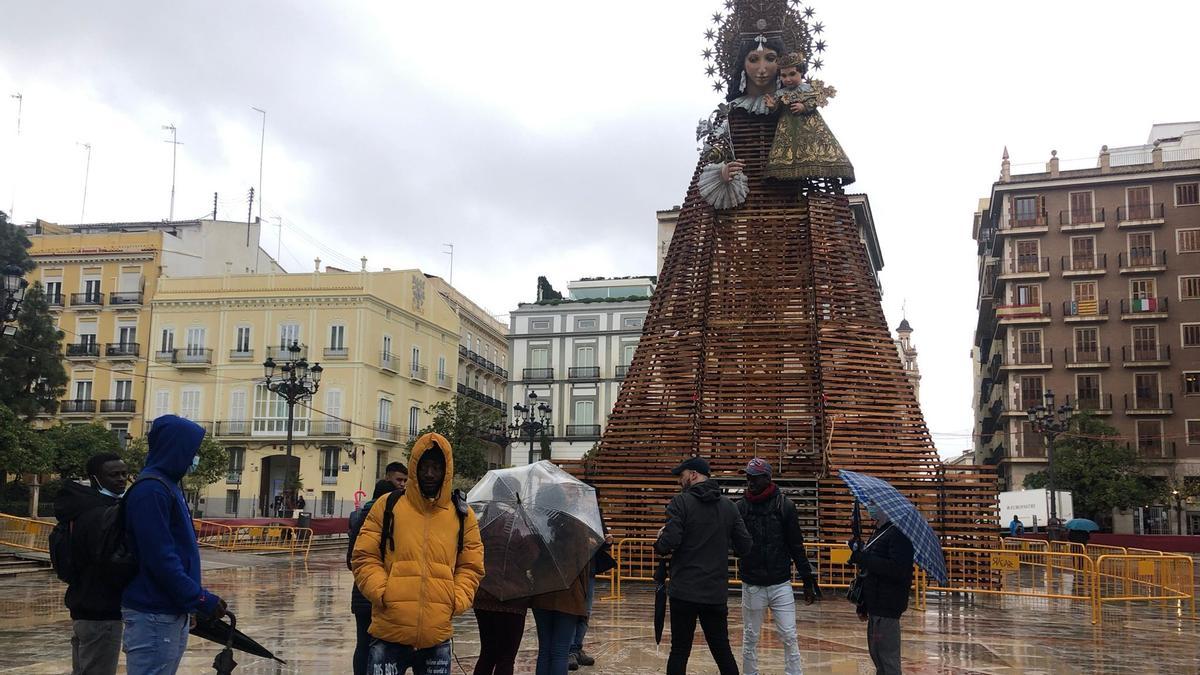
927 551
1082 524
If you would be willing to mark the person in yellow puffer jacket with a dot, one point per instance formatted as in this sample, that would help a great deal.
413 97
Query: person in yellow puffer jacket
423 579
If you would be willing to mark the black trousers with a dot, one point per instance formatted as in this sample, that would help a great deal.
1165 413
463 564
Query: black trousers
500 636
362 640
714 620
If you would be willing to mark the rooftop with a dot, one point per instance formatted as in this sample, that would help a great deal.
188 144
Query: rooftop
1174 145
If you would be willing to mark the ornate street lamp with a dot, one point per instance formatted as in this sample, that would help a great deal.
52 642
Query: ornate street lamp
1050 422
530 422
11 295
296 382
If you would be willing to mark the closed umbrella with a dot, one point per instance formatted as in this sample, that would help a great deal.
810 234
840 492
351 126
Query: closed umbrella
660 599
927 551
227 634
540 527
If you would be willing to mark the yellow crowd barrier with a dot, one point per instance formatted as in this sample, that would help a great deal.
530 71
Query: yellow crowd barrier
25 533
254 538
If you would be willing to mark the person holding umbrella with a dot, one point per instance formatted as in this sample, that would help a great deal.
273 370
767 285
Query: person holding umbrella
766 571
702 526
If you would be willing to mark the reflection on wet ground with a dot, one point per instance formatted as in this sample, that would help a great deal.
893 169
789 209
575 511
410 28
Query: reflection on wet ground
302 613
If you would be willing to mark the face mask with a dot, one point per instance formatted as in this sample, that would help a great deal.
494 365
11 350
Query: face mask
105 491
195 464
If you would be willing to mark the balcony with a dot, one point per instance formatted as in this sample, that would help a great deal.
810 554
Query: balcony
1030 267
327 479
583 431
118 406
1139 309
1142 262
204 424
329 427
83 350
234 428
1153 447
188 357
463 351
1028 223
537 374
1023 314
336 353
1042 359
77 407
995 365
1149 403
55 301
1080 311
502 372
621 372
280 353
583 373
1081 219
122 350
387 362
1084 266
1140 215
444 380
1146 357
233 478
1095 404
87 300
241 354
388 433
125 299
1096 358
418 372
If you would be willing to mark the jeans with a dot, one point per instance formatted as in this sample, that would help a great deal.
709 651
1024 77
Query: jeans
555 631
781 600
883 643
714 619
95 647
500 636
362 640
582 627
154 643
390 658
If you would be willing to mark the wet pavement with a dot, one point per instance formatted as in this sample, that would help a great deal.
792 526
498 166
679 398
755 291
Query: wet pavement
301 611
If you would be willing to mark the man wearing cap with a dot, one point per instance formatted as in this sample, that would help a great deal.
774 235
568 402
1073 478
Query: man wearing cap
766 571
702 525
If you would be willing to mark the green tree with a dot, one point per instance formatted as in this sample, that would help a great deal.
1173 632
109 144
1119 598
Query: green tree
466 424
69 447
1100 472
14 245
22 450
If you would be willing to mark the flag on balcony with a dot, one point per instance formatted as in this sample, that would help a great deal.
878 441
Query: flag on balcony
1145 304
1087 307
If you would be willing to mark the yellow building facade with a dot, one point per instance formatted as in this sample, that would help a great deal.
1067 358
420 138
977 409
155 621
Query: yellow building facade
388 344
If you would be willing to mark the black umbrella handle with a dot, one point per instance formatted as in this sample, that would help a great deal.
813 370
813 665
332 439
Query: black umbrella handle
232 627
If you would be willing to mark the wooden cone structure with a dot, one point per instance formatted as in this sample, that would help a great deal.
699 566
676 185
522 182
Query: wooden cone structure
766 337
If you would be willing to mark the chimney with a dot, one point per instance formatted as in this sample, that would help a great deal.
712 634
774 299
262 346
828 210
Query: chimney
364 263
1005 167
1156 155
1105 160
1052 165
316 265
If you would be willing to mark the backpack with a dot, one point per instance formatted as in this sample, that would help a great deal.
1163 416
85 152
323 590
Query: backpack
388 540
113 550
60 552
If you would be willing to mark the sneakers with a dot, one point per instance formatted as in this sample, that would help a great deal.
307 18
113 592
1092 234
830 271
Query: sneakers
584 659
572 661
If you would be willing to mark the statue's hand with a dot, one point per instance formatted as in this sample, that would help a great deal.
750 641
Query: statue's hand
731 169
797 108
770 101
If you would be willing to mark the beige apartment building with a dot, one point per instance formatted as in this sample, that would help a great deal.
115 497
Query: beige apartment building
101 278
388 342
1090 288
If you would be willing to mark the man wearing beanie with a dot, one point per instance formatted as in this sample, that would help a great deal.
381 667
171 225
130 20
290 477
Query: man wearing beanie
766 571
702 526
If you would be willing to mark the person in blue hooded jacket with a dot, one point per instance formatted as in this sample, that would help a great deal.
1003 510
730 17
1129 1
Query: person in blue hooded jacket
156 604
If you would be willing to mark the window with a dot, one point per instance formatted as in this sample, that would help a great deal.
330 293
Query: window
91 290
585 324
237 412
328 502
289 333
1141 289
333 411
387 348
1084 292
232 498
1025 211
1145 343
1087 392
539 325
441 371
1031 391
1083 253
1149 437
1137 201
414 421
54 292
1193 432
237 459
270 414
121 432
162 402
1029 294
167 341
632 322
1190 333
416 357
1087 344
189 404
195 340
627 351
539 357
241 342
1027 256
1191 383
1081 208
1141 249
1029 346
83 390
585 412
585 356
329 463
1189 287
1187 194
87 334
1187 241
337 337
123 390
127 336
1145 390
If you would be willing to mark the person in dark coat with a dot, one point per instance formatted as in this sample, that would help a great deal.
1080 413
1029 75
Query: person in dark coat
360 607
94 602
702 526
885 566
766 571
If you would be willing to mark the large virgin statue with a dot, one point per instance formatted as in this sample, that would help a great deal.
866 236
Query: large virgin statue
765 336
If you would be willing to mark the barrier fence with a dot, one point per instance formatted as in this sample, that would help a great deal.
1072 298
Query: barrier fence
25 533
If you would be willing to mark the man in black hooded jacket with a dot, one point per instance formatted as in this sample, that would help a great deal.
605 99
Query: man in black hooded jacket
702 525
94 602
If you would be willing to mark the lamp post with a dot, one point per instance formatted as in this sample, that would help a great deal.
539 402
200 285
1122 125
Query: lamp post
1178 496
297 381
1050 422
530 422
11 295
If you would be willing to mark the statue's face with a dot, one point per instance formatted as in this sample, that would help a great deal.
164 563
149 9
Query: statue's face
761 69
791 77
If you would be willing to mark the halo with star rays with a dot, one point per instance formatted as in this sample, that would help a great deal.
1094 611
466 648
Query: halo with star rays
743 21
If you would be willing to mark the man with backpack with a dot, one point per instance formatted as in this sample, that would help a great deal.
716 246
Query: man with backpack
93 600
166 588
418 559
360 607
766 571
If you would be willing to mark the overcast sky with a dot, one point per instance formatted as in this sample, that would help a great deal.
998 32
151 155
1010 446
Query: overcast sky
540 136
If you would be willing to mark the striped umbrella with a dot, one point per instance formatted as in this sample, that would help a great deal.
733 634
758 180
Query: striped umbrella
927 551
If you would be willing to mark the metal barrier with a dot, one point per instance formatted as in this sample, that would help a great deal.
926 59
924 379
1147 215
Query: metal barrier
1149 577
25 533
258 538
